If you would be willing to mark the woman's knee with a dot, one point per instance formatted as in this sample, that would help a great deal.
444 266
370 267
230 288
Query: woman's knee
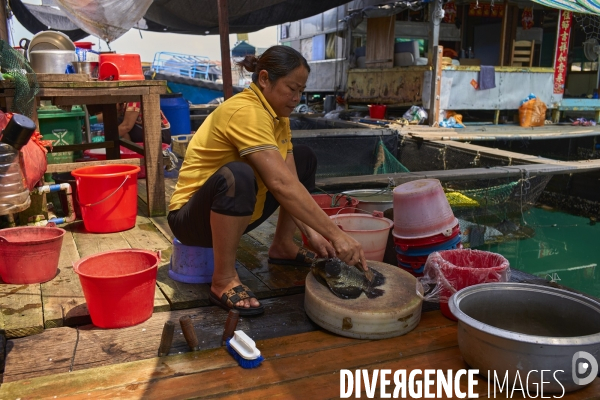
237 192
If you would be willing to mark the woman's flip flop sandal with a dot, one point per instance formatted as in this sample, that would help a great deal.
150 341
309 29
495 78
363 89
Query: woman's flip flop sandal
232 296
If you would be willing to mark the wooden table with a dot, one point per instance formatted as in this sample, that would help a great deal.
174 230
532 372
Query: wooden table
67 90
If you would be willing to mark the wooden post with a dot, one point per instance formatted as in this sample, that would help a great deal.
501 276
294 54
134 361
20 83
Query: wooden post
436 86
225 56
434 28
3 24
503 33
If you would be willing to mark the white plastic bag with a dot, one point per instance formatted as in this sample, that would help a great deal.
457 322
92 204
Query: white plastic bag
106 19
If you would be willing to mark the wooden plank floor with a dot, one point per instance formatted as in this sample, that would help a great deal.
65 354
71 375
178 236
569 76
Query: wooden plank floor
305 365
28 309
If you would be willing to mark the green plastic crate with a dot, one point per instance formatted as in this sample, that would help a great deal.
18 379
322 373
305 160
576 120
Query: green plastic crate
62 128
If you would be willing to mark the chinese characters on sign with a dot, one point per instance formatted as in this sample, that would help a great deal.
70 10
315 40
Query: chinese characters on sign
562 50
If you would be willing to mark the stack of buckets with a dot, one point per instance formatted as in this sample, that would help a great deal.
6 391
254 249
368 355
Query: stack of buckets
423 223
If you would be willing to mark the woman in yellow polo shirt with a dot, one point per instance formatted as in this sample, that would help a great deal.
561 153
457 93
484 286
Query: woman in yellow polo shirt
240 166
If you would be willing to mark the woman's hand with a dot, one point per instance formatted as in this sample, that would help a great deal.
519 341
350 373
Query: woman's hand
349 250
319 244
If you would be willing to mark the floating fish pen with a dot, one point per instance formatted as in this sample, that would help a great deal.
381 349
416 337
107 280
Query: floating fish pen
490 189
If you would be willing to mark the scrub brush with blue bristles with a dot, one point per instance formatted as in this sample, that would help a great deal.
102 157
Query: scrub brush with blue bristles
244 351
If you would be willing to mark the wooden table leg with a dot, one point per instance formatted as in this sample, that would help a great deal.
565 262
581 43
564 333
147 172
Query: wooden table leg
111 130
155 180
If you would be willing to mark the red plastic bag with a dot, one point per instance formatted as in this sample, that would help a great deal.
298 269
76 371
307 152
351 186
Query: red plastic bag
33 155
532 113
449 271
33 160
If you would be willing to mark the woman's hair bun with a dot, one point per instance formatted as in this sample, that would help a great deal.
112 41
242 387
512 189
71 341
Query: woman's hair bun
249 63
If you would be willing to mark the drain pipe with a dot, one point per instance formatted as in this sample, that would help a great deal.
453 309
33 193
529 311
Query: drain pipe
69 192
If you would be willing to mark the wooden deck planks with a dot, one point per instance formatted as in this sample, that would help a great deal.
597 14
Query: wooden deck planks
306 364
62 297
100 347
280 279
21 310
47 353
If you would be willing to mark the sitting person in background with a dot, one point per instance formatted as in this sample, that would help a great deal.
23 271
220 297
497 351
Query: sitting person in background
131 123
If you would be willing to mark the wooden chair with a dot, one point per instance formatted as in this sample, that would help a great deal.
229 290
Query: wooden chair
522 53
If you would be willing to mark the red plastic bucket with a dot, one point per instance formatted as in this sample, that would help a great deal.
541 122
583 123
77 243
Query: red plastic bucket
377 111
344 205
107 197
119 286
465 267
29 254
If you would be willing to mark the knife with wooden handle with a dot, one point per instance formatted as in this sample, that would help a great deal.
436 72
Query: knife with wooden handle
368 273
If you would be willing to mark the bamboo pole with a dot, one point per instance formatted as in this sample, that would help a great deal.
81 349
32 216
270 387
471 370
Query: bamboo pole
225 55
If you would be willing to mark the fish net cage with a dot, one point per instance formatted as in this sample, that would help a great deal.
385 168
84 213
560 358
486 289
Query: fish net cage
477 203
476 200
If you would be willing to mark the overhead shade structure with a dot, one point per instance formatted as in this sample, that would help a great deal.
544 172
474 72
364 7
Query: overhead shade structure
37 18
198 17
243 49
578 6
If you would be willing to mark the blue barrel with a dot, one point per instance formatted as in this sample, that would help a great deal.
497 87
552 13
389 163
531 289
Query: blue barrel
177 111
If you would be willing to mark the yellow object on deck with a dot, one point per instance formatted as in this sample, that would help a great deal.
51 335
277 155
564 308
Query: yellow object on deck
457 199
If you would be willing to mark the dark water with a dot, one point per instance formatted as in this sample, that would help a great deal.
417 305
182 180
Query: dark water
565 249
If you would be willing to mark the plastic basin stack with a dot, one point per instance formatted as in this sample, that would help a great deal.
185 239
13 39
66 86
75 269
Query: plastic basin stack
423 223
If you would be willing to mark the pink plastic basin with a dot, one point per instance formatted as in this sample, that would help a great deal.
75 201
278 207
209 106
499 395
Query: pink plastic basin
421 210
371 232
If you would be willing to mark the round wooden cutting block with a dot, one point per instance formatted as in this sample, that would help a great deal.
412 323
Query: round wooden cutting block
395 313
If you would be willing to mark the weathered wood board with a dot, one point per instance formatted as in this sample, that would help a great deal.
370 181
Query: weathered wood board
62 297
51 352
306 364
21 311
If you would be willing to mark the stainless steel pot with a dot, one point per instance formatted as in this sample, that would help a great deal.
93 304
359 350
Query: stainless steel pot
49 40
516 327
370 200
86 67
51 61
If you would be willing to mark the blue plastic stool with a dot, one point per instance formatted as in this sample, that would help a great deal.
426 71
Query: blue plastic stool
191 264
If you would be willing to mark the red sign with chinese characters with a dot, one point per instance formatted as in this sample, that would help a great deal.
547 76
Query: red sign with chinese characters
562 50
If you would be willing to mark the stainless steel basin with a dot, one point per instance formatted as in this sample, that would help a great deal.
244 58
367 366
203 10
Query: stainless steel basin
516 327
370 200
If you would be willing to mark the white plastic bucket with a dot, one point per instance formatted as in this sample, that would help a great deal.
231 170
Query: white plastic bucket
371 232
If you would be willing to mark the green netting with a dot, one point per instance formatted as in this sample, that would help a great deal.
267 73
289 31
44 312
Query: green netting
386 163
491 195
14 67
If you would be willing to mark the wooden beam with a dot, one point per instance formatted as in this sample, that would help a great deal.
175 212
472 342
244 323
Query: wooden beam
503 33
378 181
68 167
3 25
225 55
436 86
153 152
82 146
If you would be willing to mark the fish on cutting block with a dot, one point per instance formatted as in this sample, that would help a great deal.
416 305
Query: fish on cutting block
345 281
